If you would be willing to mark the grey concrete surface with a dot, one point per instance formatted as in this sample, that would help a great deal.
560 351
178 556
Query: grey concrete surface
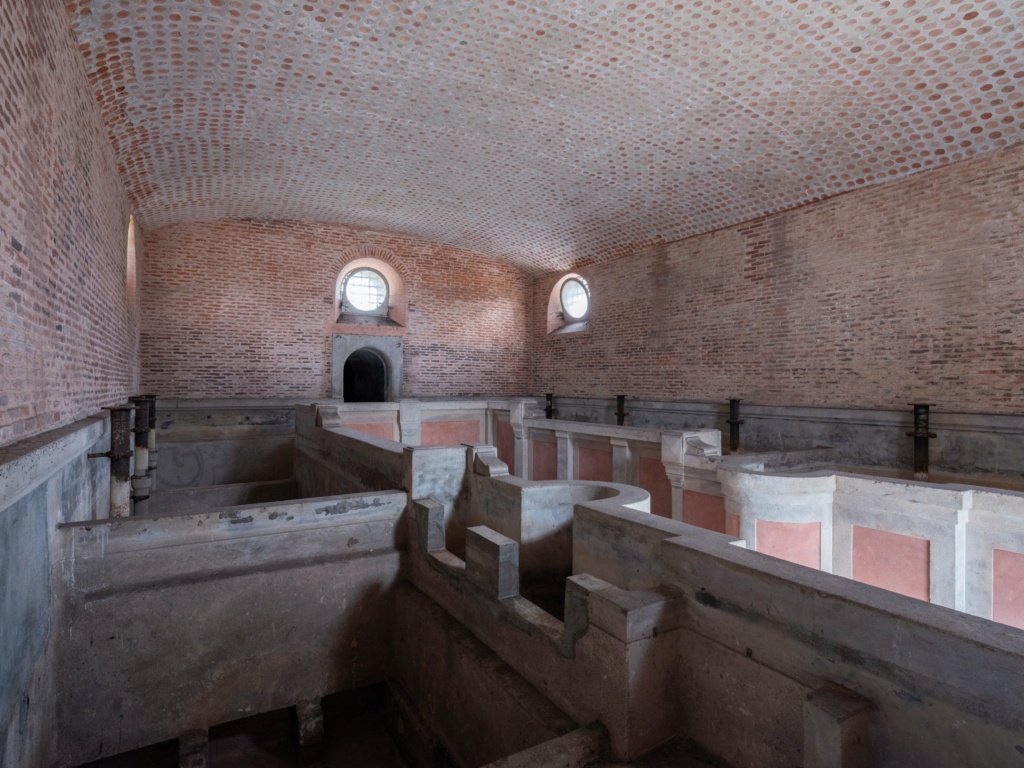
197 499
336 460
477 705
575 749
154 625
177 622
214 442
201 463
43 481
355 736
978 445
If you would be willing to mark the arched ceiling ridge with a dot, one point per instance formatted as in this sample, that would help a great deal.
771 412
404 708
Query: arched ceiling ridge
543 132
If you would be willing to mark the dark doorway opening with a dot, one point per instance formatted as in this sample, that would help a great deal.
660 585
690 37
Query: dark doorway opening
365 378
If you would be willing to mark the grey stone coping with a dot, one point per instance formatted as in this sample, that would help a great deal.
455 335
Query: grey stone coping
27 463
951 420
98 538
638 434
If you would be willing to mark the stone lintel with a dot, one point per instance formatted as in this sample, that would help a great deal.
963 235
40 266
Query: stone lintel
636 615
430 524
836 729
492 562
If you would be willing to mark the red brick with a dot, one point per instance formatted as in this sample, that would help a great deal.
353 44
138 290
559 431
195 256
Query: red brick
244 309
910 291
68 337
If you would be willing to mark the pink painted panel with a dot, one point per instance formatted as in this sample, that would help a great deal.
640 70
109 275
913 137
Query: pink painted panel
654 480
797 542
1008 588
449 432
387 431
732 524
704 511
545 460
505 439
594 464
892 561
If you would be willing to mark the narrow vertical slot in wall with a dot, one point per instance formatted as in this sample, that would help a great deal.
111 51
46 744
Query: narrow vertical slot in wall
130 279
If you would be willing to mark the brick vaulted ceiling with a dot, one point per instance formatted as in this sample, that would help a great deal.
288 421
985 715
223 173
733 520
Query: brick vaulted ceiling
544 132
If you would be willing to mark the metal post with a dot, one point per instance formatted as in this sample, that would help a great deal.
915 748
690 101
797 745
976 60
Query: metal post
620 413
152 442
549 409
140 480
734 422
921 436
120 455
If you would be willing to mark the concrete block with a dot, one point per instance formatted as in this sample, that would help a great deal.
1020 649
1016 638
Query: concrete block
487 463
573 750
430 524
836 725
409 421
194 749
327 416
631 616
308 730
492 562
578 590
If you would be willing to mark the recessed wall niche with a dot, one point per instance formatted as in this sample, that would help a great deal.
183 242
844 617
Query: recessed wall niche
367 326
358 350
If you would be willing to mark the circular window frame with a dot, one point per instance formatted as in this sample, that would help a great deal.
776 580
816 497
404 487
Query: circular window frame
567 315
346 302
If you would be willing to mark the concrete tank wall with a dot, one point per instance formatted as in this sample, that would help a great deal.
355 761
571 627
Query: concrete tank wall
43 481
186 621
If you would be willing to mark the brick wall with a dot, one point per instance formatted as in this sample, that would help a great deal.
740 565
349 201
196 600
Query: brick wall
68 339
910 291
242 309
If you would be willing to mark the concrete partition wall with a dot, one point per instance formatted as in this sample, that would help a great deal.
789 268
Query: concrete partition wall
176 622
608 661
763 662
927 541
335 460
762 635
905 537
474 704
376 419
986 446
44 481
994 556
454 422
332 459
220 442
214 442
783 516
551 449
538 515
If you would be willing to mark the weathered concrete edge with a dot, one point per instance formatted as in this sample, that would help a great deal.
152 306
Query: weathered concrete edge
575 749
809 595
952 420
99 538
28 463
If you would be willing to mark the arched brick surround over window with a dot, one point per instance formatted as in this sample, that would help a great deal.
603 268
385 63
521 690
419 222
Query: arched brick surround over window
557 321
382 260
384 339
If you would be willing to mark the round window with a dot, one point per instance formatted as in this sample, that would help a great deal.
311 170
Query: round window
575 299
366 290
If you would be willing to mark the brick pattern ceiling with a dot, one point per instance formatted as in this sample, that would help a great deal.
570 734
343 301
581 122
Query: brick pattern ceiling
546 132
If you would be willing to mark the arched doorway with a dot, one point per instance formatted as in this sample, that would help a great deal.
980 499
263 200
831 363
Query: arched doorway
365 377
